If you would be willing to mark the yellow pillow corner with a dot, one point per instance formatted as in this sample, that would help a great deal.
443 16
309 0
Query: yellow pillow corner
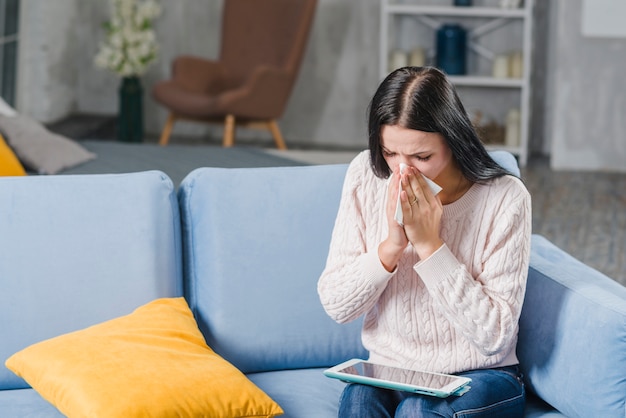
153 362
9 163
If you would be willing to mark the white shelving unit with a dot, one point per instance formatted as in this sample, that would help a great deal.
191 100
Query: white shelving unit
491 31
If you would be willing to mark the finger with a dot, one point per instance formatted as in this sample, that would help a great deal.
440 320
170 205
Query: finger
411 186
407 202
410 209
420 187
408 188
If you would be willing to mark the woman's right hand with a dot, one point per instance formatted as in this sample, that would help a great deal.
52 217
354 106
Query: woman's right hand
391 249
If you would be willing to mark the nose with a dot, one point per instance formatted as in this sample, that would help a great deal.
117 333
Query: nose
401 160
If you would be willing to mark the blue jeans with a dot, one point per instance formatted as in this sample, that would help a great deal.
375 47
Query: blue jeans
494 393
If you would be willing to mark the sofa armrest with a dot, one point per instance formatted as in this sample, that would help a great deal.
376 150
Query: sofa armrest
572 341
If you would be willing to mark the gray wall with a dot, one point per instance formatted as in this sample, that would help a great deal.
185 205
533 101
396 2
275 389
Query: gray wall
578 95
586 98
47 86
338 75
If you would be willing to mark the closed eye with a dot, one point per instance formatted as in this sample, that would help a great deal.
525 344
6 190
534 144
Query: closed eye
422 157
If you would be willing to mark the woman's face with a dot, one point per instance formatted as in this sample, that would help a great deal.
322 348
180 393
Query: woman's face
426 151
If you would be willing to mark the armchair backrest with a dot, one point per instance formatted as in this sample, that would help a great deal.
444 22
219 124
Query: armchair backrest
268 32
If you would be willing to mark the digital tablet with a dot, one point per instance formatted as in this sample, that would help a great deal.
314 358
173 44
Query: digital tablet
427 383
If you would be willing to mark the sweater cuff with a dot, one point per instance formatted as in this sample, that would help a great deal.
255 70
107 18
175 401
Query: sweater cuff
373 270
437 267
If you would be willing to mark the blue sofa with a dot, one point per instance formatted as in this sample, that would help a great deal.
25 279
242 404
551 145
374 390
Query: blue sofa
245 247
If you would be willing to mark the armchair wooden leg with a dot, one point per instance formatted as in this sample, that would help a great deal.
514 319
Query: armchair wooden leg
278 137
229 131
167 130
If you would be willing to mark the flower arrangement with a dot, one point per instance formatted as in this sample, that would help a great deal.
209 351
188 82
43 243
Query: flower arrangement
130 45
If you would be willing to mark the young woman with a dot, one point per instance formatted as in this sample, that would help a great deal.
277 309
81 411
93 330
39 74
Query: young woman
442 291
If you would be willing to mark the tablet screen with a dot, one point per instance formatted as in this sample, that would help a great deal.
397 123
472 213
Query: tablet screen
410 377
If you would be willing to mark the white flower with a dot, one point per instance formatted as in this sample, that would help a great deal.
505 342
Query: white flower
130 45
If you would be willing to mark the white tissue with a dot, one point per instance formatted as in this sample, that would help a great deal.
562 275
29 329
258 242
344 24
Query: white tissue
434 187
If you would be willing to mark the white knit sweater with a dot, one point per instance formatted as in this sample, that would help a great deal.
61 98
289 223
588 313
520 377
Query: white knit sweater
454 311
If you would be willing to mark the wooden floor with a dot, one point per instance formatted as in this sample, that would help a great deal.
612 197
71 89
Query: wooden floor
583 213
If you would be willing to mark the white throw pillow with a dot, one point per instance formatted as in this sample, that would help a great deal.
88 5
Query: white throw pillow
6 109
39 149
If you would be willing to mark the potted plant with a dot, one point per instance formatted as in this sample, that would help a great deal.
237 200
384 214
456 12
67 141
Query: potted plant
128 49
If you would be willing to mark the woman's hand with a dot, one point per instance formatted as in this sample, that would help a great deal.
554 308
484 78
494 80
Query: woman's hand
391 249
422 213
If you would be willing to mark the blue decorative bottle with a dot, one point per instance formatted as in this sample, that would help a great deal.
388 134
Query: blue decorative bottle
452 49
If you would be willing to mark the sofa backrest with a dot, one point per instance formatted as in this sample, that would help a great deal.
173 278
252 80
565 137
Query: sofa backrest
506 160
257 241
79 250
572 340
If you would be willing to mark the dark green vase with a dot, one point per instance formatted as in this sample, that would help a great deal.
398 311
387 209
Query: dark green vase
130 119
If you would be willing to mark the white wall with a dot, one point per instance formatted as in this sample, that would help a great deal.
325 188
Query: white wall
579 96
328 105
586 98
46 81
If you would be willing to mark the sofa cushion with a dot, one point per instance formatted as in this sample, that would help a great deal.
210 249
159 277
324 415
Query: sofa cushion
302 393
537 408
79 250
26 403
257 242
156 358
572 341
9 164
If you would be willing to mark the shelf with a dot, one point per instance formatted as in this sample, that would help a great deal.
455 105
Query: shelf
478 81
491 12
490 31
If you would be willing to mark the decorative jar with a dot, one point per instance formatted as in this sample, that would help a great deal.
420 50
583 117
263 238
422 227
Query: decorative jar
452 49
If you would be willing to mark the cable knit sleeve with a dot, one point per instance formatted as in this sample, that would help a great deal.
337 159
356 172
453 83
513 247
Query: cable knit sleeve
354 277
485 309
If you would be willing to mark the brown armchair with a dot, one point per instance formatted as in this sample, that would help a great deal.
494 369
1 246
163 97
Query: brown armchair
262 46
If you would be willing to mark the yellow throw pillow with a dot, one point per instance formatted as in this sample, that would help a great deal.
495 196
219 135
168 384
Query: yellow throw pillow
9 164
151 363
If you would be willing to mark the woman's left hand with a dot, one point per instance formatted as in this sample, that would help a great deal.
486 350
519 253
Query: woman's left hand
422 212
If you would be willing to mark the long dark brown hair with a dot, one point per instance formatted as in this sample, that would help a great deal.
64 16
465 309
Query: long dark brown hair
424 99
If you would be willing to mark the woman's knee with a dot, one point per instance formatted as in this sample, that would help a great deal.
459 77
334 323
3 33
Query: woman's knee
422 406
367 401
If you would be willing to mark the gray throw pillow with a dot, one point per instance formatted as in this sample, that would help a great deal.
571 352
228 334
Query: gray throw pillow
39 149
